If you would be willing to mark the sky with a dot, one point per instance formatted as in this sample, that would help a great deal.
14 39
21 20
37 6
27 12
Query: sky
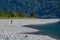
43 8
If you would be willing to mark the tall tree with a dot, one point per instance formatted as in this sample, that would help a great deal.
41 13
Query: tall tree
14 14
7 14
0 14
21 14
33 14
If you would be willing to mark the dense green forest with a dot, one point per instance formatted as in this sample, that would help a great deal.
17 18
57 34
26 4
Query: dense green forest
16 15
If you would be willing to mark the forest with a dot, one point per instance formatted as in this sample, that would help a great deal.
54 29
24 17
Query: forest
17 15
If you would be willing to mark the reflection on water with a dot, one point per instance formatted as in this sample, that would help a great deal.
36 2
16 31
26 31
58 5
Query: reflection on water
52 30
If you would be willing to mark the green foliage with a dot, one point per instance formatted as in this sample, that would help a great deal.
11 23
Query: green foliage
15 15
21 14
2 14
33 14
7 14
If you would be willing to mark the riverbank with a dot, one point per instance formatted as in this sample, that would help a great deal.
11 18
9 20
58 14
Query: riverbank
13 30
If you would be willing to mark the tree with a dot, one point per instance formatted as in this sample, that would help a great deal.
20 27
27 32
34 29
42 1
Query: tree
7 14
14 14
0 14
33 14
21 14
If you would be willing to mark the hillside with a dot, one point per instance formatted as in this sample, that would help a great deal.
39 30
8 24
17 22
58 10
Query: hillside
42 8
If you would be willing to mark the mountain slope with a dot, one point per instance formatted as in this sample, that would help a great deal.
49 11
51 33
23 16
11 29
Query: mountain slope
41 7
